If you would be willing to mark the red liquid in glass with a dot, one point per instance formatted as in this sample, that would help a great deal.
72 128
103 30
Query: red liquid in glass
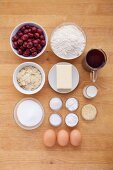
95 58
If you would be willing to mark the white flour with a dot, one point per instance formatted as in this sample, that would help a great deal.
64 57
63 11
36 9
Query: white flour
68 41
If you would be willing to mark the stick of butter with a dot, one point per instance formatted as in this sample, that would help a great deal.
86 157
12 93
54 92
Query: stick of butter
64 76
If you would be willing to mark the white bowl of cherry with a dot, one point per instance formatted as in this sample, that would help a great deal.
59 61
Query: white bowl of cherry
28 40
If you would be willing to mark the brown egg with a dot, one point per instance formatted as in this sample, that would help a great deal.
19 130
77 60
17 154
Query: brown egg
75 137
63 138
49 138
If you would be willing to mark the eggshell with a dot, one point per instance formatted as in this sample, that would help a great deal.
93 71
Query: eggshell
49 138
62 137
75 137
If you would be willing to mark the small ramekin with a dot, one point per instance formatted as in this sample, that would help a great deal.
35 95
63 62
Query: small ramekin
17 86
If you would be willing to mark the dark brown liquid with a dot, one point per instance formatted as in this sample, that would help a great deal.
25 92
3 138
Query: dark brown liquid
95 58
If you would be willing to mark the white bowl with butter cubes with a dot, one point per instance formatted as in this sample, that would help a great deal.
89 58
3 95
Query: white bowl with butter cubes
63 77
29 78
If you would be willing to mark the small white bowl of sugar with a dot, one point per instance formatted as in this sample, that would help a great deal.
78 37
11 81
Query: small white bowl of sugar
68 41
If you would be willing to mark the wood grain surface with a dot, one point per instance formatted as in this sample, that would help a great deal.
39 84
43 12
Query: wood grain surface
24 150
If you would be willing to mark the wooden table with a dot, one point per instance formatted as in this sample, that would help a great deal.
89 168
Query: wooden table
24 150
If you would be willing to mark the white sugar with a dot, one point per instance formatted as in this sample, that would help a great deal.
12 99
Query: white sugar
68 41
29 113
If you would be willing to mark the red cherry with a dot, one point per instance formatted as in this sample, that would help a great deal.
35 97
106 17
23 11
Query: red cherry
29 45
25 44
24 37
34 29
15 43
15 46
22 48
34 54
23 28
29 40
20 51
39 47
26 31
36 35
35 43
14 38
33 49
26 53
40 31
27 26
29 29
42 37
20 42
39 41
43 42
30 35
20 34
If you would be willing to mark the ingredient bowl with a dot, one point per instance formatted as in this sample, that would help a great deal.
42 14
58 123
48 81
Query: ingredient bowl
29 113
17 71
68 41
28 40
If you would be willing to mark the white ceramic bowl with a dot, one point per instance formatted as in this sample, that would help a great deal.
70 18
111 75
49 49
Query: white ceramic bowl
15 30
64 24
17 86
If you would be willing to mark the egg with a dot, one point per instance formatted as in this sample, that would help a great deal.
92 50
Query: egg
49 138
62 137
75 137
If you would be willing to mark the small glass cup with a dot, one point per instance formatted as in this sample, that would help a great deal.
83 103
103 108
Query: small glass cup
94 61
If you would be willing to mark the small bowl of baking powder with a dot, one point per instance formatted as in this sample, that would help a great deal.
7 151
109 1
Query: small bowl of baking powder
68 41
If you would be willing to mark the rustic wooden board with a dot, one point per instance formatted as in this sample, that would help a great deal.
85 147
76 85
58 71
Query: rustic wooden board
23 150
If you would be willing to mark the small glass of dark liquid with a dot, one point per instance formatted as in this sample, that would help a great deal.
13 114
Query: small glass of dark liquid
94 60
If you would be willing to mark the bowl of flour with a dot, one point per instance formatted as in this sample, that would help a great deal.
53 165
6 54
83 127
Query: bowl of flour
68 41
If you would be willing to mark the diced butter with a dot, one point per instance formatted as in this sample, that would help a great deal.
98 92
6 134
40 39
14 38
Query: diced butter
64 76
